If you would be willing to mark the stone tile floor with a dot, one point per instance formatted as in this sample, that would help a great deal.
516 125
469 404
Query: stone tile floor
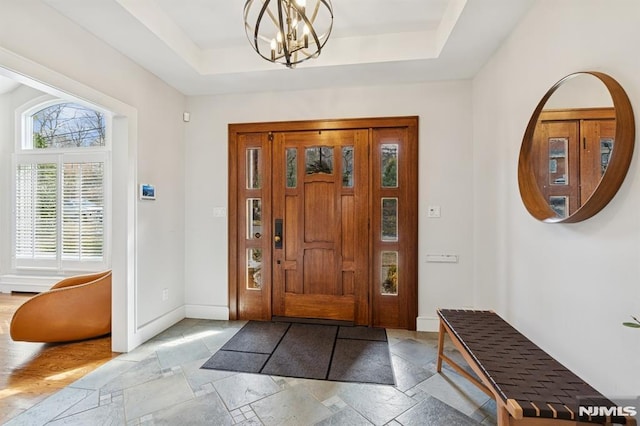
161 383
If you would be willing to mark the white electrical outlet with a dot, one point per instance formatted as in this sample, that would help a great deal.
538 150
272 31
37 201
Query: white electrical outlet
219 212
165 294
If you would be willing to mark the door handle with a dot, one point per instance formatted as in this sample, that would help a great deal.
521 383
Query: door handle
277 238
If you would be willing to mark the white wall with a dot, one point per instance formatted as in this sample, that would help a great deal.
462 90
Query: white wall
445 178
566 286
154 128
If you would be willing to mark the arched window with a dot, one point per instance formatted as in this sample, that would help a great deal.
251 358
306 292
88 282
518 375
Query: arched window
61 188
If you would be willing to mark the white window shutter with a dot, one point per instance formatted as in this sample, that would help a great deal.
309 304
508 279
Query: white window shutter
36 211
83 211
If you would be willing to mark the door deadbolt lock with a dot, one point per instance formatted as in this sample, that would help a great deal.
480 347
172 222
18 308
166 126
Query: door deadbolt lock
277 239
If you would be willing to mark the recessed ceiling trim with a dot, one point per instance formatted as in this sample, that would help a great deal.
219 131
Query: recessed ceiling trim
164 28
207 53
339 51
447 24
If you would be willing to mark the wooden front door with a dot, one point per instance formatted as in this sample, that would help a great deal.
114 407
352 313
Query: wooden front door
320 213
323 221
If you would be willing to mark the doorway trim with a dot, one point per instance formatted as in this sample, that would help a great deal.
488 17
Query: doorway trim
406 316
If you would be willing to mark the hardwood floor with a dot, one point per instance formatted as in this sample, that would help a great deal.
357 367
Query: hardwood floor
29 372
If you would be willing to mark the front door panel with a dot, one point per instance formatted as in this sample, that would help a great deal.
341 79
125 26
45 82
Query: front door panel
320 192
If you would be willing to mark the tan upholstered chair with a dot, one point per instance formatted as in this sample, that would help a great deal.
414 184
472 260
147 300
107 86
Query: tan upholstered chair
75 308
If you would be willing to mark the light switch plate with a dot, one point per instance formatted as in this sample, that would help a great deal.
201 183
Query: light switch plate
433 211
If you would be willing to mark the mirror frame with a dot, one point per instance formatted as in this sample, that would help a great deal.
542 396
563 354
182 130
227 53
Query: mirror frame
611 180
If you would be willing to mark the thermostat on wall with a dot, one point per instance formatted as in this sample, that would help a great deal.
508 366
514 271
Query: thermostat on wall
147 192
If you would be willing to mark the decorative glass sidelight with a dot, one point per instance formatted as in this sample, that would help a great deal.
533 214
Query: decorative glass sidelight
606 149
389 218
389 273
254 269
292 167
347 167
254 218
254 178
558 163
559 204
319 159
389 165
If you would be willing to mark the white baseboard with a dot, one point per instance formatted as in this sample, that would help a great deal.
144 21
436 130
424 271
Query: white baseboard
158 325
27 283
207 312
431 324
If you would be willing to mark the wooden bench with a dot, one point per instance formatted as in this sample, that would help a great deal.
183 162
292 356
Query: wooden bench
529 386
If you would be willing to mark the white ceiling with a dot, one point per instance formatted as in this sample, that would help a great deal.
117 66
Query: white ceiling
200 47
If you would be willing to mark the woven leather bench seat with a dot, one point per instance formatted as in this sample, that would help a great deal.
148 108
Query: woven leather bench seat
529 386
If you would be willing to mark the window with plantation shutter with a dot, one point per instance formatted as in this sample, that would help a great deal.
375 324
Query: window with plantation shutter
60 188
82 211
36 212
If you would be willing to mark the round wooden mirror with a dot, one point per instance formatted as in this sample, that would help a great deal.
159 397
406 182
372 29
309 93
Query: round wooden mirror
577 148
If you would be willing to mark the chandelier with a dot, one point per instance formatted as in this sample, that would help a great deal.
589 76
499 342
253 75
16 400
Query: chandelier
287 31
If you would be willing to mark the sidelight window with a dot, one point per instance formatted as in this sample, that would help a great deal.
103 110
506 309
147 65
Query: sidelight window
347 167
389 273
254 269
389 165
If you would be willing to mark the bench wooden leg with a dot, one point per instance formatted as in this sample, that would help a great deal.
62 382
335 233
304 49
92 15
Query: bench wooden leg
503 416
440 346
454 365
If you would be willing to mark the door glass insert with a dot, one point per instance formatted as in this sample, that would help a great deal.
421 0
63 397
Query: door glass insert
606 148
389 165
559 204
253 168
389 273
347 167
319 159
254 218
558 165
292 167
254 269
389 219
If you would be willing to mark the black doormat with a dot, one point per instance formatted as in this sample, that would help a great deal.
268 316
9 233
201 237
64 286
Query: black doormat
309 351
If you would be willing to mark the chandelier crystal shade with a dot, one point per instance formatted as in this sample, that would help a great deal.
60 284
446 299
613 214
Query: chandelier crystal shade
288 31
